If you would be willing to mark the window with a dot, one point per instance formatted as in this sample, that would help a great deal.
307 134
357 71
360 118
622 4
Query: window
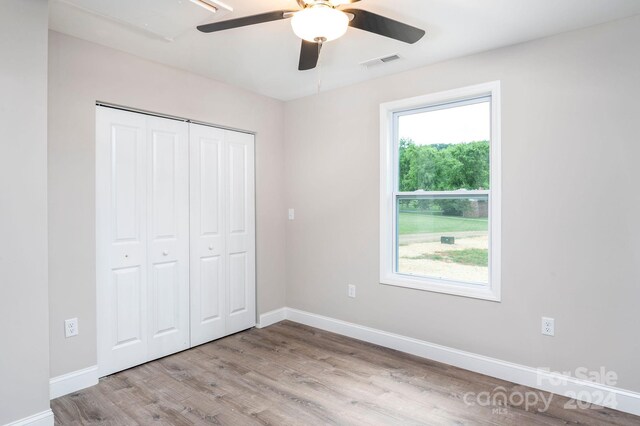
440 192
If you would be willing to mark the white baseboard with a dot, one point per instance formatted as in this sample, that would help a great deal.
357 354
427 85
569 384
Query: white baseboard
619 399
272 317
72 382
44 418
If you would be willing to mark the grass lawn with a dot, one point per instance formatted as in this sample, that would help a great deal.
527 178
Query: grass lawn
412 223
474 257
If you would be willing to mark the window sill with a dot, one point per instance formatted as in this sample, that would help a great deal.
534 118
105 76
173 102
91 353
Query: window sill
442 286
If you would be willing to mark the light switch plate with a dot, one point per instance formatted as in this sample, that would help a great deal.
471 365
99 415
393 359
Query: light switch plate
351 290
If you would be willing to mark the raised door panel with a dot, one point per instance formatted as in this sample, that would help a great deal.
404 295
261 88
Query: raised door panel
211 287
208 272
121 240
166 287
126 298
125 145
238 300
168 230
240 231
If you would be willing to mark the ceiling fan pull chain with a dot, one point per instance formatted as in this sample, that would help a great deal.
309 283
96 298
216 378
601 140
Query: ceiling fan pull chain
319 67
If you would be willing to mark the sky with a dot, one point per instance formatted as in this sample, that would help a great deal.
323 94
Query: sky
444 126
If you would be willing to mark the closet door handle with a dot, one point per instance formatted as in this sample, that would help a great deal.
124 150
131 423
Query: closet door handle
165 253
210 248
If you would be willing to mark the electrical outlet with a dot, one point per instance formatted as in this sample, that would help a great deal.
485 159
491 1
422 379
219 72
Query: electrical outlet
71 327
352 290
548 326
292 214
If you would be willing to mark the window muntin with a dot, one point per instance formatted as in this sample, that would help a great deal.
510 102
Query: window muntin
441 192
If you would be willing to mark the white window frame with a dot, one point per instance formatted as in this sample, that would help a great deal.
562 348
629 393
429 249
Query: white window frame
389 192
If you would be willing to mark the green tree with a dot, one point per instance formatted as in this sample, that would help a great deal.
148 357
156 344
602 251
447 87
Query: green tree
444 167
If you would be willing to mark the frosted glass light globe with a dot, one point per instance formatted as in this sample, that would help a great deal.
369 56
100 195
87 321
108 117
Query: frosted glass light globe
320 23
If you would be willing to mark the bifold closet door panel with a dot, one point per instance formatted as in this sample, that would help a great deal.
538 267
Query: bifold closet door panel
240 231
222 233
208 266
121 211
142 231
168 235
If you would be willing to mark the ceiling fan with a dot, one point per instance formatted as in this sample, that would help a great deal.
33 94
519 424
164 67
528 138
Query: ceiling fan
320 21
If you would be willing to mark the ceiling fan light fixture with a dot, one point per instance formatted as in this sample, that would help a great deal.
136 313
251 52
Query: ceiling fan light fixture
320 23
203 4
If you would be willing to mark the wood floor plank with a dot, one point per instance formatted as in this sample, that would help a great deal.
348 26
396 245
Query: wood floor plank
291 374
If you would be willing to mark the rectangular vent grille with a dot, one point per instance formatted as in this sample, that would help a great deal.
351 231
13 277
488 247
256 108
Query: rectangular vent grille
390 58
380 61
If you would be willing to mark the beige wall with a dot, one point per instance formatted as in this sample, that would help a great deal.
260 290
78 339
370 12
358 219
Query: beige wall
81 73
570 109
24 351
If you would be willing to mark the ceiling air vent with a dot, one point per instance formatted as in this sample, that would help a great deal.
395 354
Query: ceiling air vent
379 61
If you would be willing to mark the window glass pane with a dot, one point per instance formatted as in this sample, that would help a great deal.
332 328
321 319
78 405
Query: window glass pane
445 149
444 237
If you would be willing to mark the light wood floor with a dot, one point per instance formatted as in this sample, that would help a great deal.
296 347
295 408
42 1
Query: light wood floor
290 374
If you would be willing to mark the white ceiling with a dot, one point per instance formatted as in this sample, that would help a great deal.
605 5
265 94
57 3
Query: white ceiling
264 58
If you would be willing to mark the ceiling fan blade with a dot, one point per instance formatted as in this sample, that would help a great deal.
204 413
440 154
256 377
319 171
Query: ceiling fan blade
387 27
247 20
309 55
341 2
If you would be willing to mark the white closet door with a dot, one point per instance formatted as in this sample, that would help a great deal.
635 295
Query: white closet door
122 239
207 234
168 236
240 231
222 233
142 184
163 286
